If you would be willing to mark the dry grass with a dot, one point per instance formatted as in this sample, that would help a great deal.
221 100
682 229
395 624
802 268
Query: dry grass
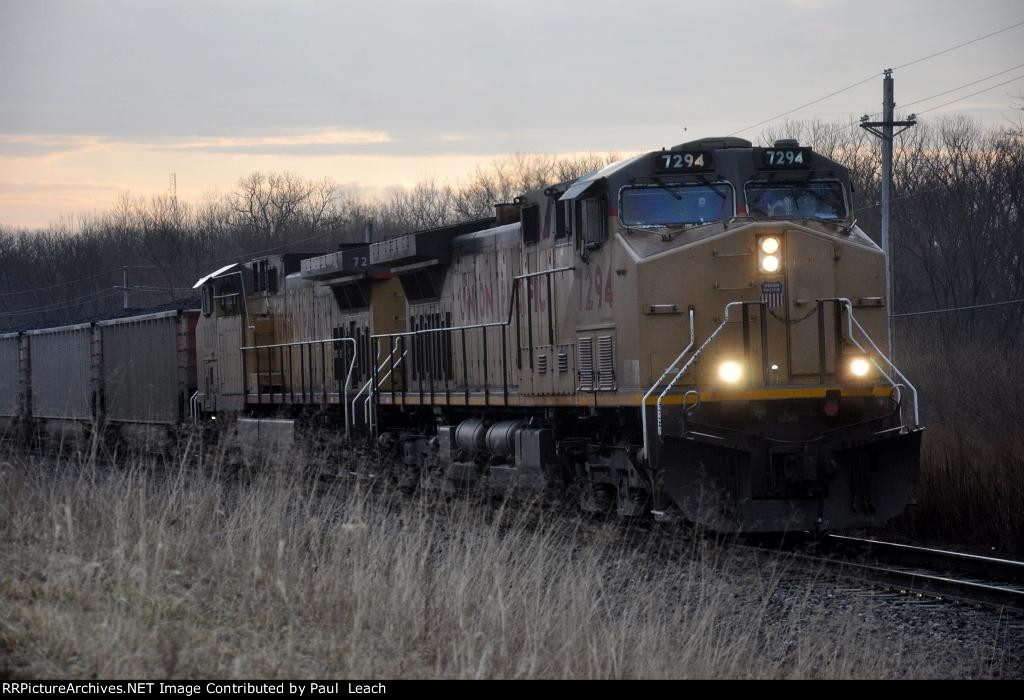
971 489
136 570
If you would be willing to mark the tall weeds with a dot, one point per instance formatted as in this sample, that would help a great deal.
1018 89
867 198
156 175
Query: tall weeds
133 568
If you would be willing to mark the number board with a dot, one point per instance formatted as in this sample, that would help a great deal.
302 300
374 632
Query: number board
683 161
784 158
355 259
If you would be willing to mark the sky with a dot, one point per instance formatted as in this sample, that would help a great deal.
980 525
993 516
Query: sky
101 97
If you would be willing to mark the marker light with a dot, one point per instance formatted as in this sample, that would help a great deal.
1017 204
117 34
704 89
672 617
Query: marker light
769 263
770 245
859 367
730 372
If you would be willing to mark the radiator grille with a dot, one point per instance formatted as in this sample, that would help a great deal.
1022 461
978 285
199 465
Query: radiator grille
605 364
585 363
542 363
563 362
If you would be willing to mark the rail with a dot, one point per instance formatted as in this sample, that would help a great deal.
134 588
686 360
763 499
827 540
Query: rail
193 407
941 560
654 387
431 360
370 387
892 375
307 367
853 322
704 346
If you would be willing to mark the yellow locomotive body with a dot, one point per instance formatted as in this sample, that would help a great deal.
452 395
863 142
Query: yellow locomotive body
698 332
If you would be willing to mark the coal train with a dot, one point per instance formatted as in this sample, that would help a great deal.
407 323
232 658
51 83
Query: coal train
693 333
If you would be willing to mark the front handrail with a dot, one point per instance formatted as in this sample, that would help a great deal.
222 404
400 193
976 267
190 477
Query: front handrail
701 349
852 325
654 387
851 322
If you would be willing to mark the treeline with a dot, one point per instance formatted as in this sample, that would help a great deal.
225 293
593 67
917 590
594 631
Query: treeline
957 220
957 227
69 270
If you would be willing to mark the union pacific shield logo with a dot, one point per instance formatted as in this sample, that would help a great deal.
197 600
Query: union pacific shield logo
772 292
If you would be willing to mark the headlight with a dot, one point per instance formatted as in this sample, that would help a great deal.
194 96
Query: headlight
730 372
770 263
859 367
769 254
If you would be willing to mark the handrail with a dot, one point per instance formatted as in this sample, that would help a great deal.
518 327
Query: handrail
851 322
368 386
192 406
343 392
703 347
490 324
643 402
367 413
513 306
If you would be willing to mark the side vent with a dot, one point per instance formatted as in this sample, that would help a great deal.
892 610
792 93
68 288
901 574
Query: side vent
542 363
585 362
563 362
605 364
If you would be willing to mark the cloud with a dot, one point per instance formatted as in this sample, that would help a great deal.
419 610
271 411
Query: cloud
45 146
284 143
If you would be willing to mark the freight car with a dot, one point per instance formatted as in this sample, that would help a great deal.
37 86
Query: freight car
694 332
132 375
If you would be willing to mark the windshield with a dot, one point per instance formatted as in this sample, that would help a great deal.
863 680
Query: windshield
797 200
675 205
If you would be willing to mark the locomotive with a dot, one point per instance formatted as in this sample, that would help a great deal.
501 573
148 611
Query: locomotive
697 332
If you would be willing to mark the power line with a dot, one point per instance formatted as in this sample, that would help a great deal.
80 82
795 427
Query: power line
812 102
60 305
959 46
59 284
960 308
875 75
961 87
973 94
906 196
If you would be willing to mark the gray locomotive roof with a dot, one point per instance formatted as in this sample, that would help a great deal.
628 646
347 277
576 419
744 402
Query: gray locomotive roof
588 181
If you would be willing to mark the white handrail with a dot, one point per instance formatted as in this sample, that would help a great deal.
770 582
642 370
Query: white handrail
701 349
369 397
368 386
643 402
852 321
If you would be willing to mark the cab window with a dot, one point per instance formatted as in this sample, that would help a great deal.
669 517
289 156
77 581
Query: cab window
816 199
652 206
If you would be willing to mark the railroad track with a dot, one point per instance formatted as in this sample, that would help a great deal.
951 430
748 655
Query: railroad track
934 573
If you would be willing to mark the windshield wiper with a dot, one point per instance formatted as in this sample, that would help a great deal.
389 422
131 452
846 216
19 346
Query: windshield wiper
662 185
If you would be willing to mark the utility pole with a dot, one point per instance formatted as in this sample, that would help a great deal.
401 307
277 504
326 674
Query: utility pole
885 131
124 288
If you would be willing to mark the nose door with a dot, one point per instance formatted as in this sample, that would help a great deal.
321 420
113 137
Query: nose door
810 266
